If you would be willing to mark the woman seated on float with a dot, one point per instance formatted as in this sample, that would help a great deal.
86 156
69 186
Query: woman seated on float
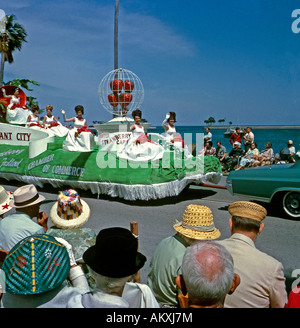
14 113
33 120
170 136
50 123
79 138
168 125
139 147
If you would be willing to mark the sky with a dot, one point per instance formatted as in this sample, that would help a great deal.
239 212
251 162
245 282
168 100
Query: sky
237 60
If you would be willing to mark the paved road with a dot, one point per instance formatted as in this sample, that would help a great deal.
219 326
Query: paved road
280 237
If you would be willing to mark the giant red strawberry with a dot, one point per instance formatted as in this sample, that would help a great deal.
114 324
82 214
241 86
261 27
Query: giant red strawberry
113 99
128 86
126 99
116 85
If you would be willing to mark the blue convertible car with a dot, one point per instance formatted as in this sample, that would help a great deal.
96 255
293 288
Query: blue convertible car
278 183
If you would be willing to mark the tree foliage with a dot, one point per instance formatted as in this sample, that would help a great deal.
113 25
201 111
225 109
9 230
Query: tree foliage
210 121
14 38
10 41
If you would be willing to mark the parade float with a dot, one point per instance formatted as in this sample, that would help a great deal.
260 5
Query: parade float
35 156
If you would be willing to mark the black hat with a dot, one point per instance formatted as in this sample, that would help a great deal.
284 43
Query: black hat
115 253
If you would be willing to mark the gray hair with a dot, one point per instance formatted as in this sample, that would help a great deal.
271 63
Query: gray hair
109 285
208 272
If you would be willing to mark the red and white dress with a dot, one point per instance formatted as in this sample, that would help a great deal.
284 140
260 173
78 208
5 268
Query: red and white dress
79 138
57 128
16 114
35 124
139 148
170 133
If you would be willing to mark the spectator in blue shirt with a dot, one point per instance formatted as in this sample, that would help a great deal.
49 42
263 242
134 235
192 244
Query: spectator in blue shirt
15 227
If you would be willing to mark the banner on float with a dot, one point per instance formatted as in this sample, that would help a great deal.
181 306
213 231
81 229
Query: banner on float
112 141
20 136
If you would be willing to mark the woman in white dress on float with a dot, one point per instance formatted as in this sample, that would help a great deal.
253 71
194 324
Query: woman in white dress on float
50 123
14 113
138 146
172 137
79 138
168 125
33 121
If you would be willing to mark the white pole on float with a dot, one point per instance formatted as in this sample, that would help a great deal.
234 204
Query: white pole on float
116 62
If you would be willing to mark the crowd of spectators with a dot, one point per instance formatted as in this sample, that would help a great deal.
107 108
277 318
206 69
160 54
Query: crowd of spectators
193 268
244 152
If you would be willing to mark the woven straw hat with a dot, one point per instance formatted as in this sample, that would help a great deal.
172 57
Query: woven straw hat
197 223
5 198
247 210
35 265
69 221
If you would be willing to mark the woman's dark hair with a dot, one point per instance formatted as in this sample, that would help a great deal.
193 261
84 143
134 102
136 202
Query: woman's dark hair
136 112
14 88
172 116
79 108
35 108
245 224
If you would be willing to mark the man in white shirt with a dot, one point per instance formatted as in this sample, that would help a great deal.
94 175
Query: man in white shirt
248 138
208 136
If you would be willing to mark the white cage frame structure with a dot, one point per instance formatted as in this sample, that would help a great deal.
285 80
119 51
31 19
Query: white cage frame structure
122 107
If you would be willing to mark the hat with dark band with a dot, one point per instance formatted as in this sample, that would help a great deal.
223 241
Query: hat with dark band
197 223
115 253
26 196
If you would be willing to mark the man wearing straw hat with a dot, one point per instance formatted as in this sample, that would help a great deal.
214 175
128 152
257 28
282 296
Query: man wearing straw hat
26 200
262 278
197 224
